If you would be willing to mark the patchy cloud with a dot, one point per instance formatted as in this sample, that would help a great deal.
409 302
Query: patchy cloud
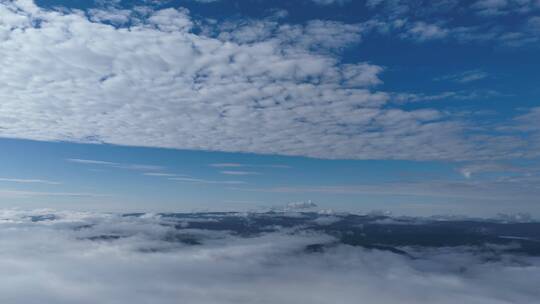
465 77
423 31
429 20
160 83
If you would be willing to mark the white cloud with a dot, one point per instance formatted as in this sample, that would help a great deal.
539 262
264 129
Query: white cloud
159 174
447 95
491 7
465 77
327 220
438 20
330 2
205 181
423 31
171 20
104 258
471 169
159 84
529 121
7 193
319 36
227 165
301 205
91 162
534 24
112 15
28 181
137 167
231 172
373 3
238 165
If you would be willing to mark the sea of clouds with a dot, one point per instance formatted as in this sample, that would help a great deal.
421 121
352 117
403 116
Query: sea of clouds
74 257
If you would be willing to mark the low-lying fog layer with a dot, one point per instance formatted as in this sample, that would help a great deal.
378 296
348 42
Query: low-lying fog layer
69 257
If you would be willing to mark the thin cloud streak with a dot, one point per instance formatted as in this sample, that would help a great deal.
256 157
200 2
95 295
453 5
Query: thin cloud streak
239 165
239 173
465 77
135 167
158 174
205 181
29 181
6 193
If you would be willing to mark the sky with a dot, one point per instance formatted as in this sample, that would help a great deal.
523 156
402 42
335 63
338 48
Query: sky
416 107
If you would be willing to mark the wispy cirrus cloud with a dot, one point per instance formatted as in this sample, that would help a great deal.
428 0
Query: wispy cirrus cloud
206 181
491 8
136 167
465 77
242 165
468 171
425 21
330 2
227 165
91 162
231 172
29 181
447 95
8 193
161 174
503 170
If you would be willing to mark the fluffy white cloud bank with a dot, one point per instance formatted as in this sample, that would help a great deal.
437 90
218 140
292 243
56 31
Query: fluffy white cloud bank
262 88
100 258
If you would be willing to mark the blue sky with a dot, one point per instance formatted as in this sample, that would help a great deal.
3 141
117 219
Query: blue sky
411 106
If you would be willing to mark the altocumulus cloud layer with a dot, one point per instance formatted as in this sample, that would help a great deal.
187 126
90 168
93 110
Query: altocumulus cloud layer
168 80
68 257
